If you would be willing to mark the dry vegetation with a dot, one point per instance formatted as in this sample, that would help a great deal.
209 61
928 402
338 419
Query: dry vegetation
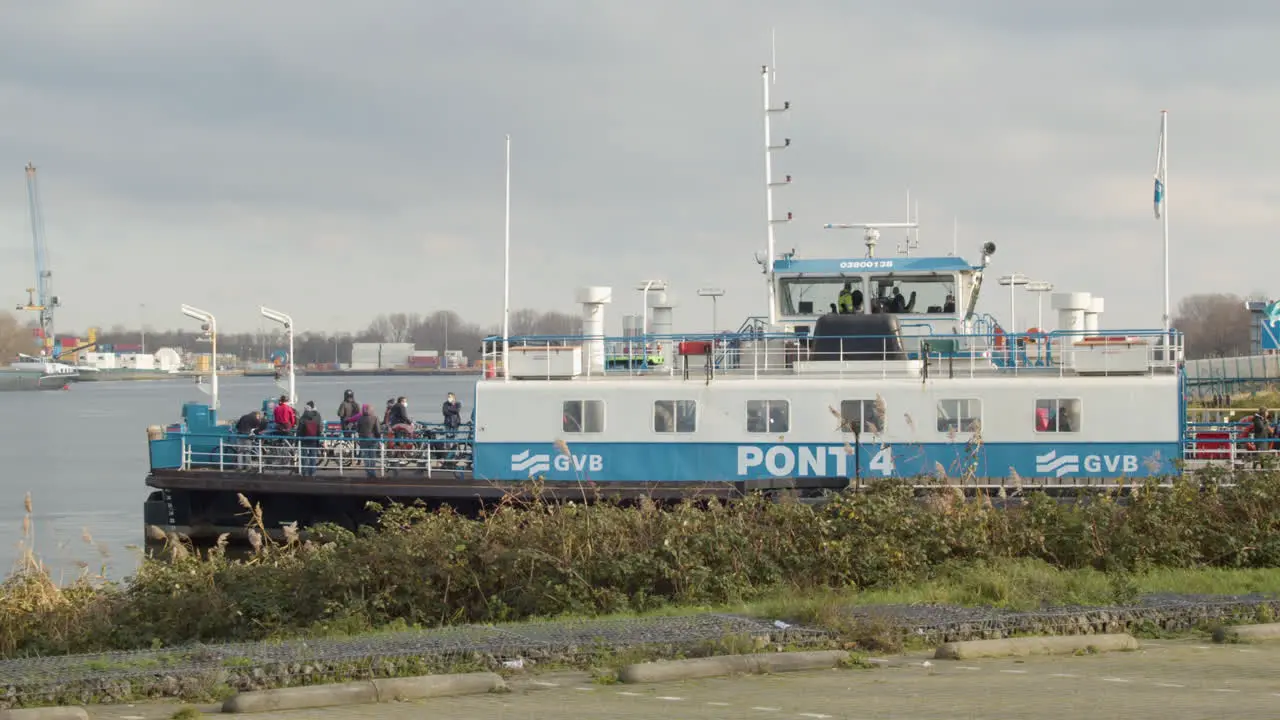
429 569
14 338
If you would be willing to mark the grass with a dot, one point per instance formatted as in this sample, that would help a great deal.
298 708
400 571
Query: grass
1018 585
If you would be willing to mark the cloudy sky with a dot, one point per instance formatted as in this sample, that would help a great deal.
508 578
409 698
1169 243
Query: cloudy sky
339 160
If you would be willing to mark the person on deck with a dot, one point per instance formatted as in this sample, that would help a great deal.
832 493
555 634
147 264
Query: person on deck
310 430
398 417
369 431
285 416
452 410
901 304
347 410
845 299
251 423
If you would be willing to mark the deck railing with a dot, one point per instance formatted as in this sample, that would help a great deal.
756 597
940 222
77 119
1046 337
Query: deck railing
1228 444
1114 352
332 453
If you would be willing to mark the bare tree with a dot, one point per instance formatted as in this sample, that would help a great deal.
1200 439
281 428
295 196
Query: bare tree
1215 325
15 338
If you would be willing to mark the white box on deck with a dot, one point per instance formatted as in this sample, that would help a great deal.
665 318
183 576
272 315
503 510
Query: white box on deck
545 362
1111 358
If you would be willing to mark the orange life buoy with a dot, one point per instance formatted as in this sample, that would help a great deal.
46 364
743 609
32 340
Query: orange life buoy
999 337
1032 333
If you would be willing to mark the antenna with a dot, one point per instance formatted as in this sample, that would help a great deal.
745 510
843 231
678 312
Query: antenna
773 56
506 275
908 244
769 184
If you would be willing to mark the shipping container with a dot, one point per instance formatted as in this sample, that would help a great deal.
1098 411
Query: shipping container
395 354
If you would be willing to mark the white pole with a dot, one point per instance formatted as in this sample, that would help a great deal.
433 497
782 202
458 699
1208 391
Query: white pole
293 377
644 313
506 276
1013 313
213 364
715 325
1040 311
1164 211
768 199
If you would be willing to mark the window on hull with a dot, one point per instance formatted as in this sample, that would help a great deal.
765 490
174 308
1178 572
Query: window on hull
962 415
1058 415
933 294
864 416
583 416
768 416
815 296
675 416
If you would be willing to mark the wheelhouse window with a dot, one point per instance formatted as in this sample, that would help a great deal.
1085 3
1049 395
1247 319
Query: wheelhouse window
817 296
768 416
863 416
963 415
1058 415
583 416
914 294
675 416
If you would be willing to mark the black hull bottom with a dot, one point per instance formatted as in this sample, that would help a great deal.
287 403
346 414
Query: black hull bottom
204 504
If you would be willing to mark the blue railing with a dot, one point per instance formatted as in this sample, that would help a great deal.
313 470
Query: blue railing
334 452
662 353
1230 443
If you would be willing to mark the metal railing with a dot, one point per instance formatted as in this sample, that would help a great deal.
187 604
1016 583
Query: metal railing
330 454
908 354
1229 443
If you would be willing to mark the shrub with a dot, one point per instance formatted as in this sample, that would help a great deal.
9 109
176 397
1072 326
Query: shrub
425 568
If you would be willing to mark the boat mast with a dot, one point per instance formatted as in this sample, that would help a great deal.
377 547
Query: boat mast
767 73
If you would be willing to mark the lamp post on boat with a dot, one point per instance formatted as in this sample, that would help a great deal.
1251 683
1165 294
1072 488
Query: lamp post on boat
715 294
1039 287
210 325
1013 280
287 322
644 288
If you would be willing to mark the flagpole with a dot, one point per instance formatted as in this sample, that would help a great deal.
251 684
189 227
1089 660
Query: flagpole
1164 209
506 276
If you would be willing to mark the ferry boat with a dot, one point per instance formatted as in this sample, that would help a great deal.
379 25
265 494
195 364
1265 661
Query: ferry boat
867 367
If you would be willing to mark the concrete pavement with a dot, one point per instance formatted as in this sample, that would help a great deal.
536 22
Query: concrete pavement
1172 680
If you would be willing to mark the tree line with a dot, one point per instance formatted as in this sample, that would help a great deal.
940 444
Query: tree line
1215 325
440 330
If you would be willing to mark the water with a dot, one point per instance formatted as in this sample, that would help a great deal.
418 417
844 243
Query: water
82 454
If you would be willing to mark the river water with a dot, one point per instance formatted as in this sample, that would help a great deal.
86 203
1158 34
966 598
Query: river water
82 454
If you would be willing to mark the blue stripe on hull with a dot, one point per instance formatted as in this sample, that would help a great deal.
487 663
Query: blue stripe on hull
704 462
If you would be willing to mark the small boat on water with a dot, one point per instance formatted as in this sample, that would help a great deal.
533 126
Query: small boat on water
16 378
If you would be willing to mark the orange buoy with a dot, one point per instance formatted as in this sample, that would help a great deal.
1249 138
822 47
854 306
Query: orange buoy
1032 333
999 337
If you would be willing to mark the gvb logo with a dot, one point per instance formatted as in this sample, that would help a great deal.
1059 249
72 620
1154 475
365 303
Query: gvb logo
1058 465
531 465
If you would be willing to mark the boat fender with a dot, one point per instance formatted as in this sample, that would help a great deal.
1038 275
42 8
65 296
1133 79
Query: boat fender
999 337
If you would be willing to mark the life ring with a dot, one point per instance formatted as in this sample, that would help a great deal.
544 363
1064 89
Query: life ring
999 337
1032 333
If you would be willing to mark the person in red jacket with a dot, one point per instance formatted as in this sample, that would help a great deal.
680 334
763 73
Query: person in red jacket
285 416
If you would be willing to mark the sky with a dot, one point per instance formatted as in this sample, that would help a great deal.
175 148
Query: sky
341 160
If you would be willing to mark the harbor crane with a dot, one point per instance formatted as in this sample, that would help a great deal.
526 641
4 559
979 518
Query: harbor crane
40 299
